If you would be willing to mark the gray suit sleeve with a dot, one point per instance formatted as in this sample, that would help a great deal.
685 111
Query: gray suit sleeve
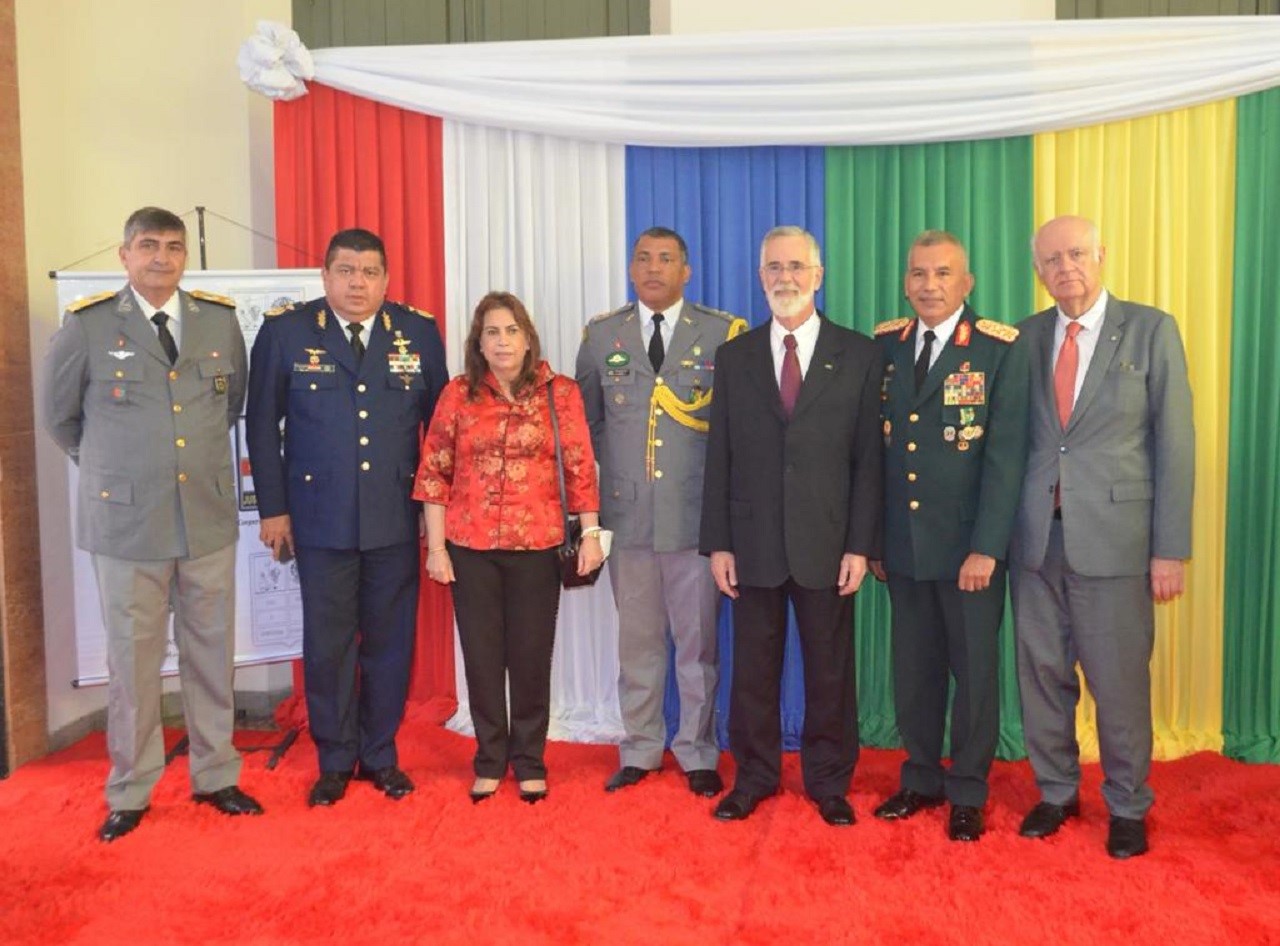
1172 441
63 386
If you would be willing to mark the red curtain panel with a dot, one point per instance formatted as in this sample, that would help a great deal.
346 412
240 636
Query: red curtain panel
344 161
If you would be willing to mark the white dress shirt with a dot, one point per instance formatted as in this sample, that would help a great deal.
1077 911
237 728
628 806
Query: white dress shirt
942 334
171 308
1086 340
669 316
806 340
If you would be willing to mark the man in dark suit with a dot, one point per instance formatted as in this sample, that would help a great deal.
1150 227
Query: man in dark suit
1103 528
139 389
791 513
955 435
353 377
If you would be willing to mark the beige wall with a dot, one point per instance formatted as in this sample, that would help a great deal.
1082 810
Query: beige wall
126 104
708 16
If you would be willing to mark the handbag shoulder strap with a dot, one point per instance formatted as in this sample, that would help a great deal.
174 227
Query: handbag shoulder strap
555 433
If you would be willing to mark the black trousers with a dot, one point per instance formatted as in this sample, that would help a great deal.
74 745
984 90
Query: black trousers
506 604
829 742
359 611
940 632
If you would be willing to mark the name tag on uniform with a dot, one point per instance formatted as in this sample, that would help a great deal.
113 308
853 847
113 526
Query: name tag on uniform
404 362
964 387
314 366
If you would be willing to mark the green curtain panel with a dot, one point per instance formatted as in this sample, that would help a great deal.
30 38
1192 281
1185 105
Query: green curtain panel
1251 613
878 200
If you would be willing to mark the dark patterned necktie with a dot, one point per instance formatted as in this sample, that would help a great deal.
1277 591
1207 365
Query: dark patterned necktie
357 343
789 385
166 337
657 351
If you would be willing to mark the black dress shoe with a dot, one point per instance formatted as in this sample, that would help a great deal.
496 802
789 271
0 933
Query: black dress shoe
737 805
389 780
328 789
1045 819
705 782
531 796
229 801
905 803
965 823
1127 838
626 776
836 810
119 823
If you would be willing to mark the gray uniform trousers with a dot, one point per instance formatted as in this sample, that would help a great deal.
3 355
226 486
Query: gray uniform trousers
136 598
654 591
1108 626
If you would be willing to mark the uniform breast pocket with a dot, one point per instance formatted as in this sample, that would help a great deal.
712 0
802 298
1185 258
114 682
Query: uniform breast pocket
114 380
619 386
217 372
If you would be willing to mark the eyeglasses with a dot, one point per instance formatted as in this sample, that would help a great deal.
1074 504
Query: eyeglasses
793 268
369 272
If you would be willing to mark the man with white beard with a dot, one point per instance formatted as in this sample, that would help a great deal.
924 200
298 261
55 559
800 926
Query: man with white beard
791 513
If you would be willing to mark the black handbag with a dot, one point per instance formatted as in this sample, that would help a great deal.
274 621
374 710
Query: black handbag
567 553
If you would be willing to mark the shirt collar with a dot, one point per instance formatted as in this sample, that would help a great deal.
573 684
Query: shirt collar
669 314
944 330
1092 318
170 307
807 331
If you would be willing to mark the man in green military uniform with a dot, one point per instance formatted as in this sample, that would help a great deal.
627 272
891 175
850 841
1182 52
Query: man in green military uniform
955 432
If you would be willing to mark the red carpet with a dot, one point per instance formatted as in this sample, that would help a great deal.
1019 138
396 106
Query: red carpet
648 865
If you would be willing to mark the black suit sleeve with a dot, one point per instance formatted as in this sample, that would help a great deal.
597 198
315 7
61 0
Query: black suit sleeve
866 493
714 535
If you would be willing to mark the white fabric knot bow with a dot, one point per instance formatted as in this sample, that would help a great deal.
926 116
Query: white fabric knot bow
274 62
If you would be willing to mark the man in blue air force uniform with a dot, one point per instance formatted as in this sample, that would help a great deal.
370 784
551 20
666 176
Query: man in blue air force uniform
646 374
353 377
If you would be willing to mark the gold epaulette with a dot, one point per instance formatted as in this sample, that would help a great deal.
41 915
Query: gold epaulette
612 312
91 300
893 325
1006 333
213 297
425 315
736 328
279 310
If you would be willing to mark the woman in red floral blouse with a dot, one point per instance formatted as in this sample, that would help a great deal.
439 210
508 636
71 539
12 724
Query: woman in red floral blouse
488 478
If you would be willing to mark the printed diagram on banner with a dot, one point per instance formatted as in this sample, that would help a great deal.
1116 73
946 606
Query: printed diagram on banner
268 600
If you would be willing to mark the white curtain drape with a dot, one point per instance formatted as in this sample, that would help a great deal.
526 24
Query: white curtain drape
543 218
865 85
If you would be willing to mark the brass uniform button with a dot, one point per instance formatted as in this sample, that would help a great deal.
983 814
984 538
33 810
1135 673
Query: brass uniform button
182 477
181 442
913 418
914 504
911 447
105 494
911 477
361 387
657 474
364 414
177 408
364 465
364 441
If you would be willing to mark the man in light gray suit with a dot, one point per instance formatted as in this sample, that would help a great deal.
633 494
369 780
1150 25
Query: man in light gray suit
139 389
646 374
1103 528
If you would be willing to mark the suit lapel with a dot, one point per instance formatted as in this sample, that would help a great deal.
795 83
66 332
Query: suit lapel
1046 325
760 368
1110 332
136 328
375 352
823 367
948 359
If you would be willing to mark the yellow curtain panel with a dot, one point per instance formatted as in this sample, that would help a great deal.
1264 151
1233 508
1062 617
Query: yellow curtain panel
1162 190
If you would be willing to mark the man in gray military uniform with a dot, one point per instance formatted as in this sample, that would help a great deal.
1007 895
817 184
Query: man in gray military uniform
140 388
646 373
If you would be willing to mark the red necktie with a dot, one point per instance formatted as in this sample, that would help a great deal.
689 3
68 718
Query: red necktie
1064 373
789 387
